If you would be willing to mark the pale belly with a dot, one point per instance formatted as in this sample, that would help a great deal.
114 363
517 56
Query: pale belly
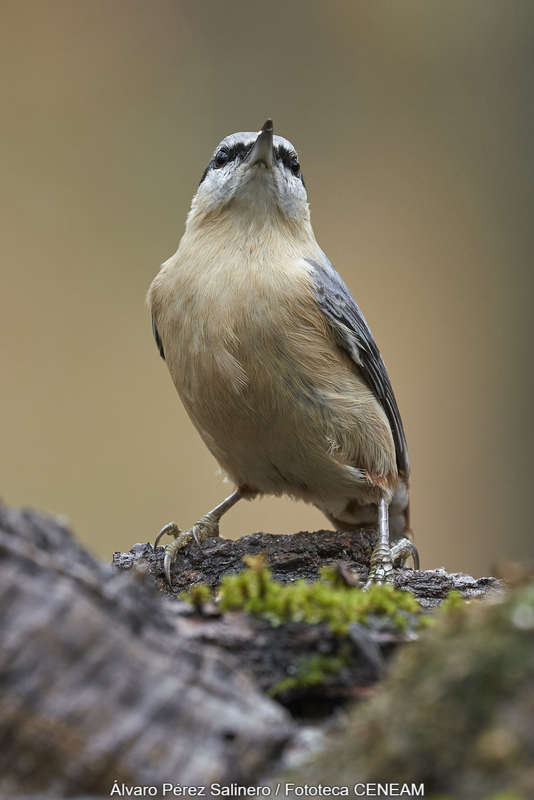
281 406
286 414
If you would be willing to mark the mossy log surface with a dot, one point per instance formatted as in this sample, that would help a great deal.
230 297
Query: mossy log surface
295 557
309 668
104 676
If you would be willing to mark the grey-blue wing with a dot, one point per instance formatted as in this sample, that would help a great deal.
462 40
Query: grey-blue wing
157 337
354 335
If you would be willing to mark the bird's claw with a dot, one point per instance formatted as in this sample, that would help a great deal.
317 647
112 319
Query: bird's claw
404 549
170 529
381 571
205 528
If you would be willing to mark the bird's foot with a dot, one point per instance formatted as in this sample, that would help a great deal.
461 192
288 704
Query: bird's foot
382 560
205 528
381 571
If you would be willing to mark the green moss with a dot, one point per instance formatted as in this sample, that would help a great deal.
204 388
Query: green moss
454 600
328 600
313 671
197 595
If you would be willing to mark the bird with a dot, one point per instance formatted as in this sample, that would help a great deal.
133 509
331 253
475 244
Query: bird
273 359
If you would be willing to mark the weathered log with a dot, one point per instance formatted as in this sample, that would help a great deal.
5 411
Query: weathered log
272 655
289 558
103 680
97 684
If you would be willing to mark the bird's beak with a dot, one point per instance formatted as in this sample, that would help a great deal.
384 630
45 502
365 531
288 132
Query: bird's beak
262 149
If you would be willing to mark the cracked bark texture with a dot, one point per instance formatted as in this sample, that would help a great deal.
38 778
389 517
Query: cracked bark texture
289 558
97 684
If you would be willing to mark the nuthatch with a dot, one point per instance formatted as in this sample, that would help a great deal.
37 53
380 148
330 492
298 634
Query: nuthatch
272 358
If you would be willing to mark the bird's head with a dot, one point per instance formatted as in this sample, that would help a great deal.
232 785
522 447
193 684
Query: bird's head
253 174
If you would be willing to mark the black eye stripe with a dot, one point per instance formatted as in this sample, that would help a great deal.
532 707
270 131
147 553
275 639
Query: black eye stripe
238 151
285 156
288 157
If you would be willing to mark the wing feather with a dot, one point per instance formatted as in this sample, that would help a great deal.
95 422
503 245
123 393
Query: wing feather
354 335
157 337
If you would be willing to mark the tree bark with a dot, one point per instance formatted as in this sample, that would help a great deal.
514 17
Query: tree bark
97 684
289 558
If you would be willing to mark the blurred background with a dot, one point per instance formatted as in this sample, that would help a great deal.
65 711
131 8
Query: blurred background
414 123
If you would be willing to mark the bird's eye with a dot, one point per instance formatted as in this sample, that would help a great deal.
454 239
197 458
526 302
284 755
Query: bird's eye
295 166
221 158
